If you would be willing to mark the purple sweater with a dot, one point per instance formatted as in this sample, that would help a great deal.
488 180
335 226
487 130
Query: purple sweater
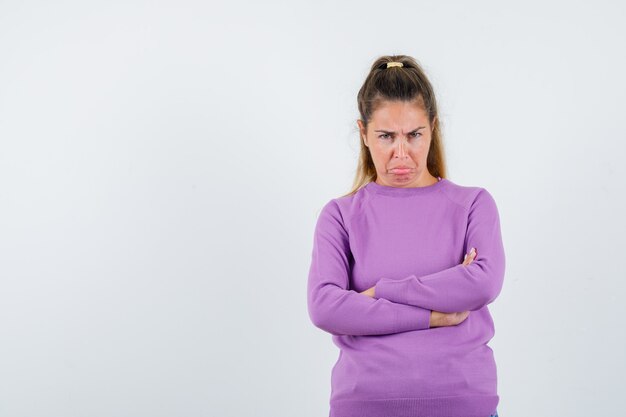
410 244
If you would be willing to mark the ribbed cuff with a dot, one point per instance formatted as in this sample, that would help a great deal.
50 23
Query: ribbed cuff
392 290
419 319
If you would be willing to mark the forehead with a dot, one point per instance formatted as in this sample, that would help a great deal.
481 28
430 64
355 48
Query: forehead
399 114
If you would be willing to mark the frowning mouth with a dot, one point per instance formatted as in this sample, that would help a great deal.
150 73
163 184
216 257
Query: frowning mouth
400 170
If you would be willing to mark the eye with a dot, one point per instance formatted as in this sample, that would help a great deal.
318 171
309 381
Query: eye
384 136
415 134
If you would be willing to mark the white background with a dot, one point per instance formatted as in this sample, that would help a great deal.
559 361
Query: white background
162 166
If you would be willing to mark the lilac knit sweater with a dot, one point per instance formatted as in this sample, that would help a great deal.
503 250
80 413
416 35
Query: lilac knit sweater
410 244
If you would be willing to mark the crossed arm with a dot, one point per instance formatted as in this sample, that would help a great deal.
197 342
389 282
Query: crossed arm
461 287
342 311
405 304
469 257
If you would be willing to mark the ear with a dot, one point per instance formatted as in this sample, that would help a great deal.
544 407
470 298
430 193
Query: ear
362 131
432 128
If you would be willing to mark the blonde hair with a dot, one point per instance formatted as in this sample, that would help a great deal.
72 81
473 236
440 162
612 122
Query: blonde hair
408 83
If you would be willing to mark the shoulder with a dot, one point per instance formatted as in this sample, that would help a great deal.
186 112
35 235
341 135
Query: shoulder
347 204
468 196
342 209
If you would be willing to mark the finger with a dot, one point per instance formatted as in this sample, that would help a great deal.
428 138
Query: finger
471 255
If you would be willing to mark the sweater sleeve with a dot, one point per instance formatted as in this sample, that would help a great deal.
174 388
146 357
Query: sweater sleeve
332 305
460 287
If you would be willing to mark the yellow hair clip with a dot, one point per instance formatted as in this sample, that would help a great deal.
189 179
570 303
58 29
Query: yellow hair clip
394 64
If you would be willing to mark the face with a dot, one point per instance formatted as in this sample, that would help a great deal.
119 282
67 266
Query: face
398 137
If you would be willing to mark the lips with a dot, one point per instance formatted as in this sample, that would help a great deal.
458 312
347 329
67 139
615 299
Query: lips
400 170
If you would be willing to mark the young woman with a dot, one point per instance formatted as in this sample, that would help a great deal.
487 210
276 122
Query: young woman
405 265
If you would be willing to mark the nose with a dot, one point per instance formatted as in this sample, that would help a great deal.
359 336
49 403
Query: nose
400 150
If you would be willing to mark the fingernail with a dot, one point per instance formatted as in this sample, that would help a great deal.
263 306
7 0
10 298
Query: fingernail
473 250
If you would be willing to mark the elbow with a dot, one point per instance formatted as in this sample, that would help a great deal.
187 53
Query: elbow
317 317
491 294
317 313
322 317
496 281
490 281
325 311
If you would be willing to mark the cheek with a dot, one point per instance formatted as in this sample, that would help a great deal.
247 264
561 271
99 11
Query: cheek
419 158
419 153
422 150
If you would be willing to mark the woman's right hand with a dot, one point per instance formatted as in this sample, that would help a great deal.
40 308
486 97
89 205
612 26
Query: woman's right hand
439 319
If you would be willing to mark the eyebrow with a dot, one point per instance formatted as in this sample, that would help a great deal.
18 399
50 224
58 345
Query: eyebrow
390 131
